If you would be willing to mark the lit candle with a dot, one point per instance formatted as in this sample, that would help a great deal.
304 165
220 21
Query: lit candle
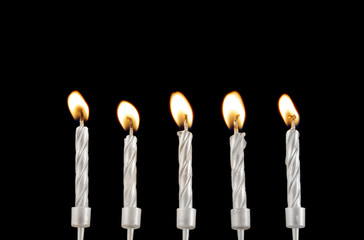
183 116
81 213
295 214
129 119
234 116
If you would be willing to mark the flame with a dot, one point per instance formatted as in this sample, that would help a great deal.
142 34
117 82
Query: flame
126 112
233 106
78 105
179 108
287 110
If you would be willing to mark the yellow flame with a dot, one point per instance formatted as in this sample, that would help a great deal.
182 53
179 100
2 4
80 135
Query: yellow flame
288 110
179 108
127 113
77 105
233 108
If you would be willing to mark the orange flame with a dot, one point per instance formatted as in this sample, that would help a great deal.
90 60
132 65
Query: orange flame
128 114
180 107
233 109
78 106
288 110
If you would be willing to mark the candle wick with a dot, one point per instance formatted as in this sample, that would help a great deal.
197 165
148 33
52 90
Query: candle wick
82 119
236 126
131 130
185 123
293 123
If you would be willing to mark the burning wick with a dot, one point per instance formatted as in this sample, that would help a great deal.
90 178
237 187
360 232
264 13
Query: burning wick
236 126
131 126
293 124
185 123
82 119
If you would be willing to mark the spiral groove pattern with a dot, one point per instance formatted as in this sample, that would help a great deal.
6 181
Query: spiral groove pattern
237 146
185 168
130 171
81 166
293 168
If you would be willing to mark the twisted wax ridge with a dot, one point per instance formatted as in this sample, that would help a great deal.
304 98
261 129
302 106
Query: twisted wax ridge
81 166
237 146
293 168
130 171
185 169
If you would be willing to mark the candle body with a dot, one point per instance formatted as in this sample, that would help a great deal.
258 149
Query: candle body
130 171
185 168
237 146
293 168
82 166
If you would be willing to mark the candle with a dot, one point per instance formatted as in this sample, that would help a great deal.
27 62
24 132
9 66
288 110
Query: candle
295 214
81 213
129 120
183 116
234 116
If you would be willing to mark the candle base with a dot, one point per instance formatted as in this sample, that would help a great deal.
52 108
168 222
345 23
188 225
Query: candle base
130 217
81 217
186 218
295 217
240 218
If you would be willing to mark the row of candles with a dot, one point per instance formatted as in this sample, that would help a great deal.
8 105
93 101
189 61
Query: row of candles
234 115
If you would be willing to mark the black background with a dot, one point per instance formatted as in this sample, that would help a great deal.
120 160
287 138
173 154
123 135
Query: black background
109 63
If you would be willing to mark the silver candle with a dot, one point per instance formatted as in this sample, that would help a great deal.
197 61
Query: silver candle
81 213
130 170
183 115
81 166
185 167
234 115
295 214
293 167
131 214
237 146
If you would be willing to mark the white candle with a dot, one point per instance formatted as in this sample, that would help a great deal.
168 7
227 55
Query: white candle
81 213
81 165
293 167
185 167
295 214
182 114
130 171
237 146
131 214
234 115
